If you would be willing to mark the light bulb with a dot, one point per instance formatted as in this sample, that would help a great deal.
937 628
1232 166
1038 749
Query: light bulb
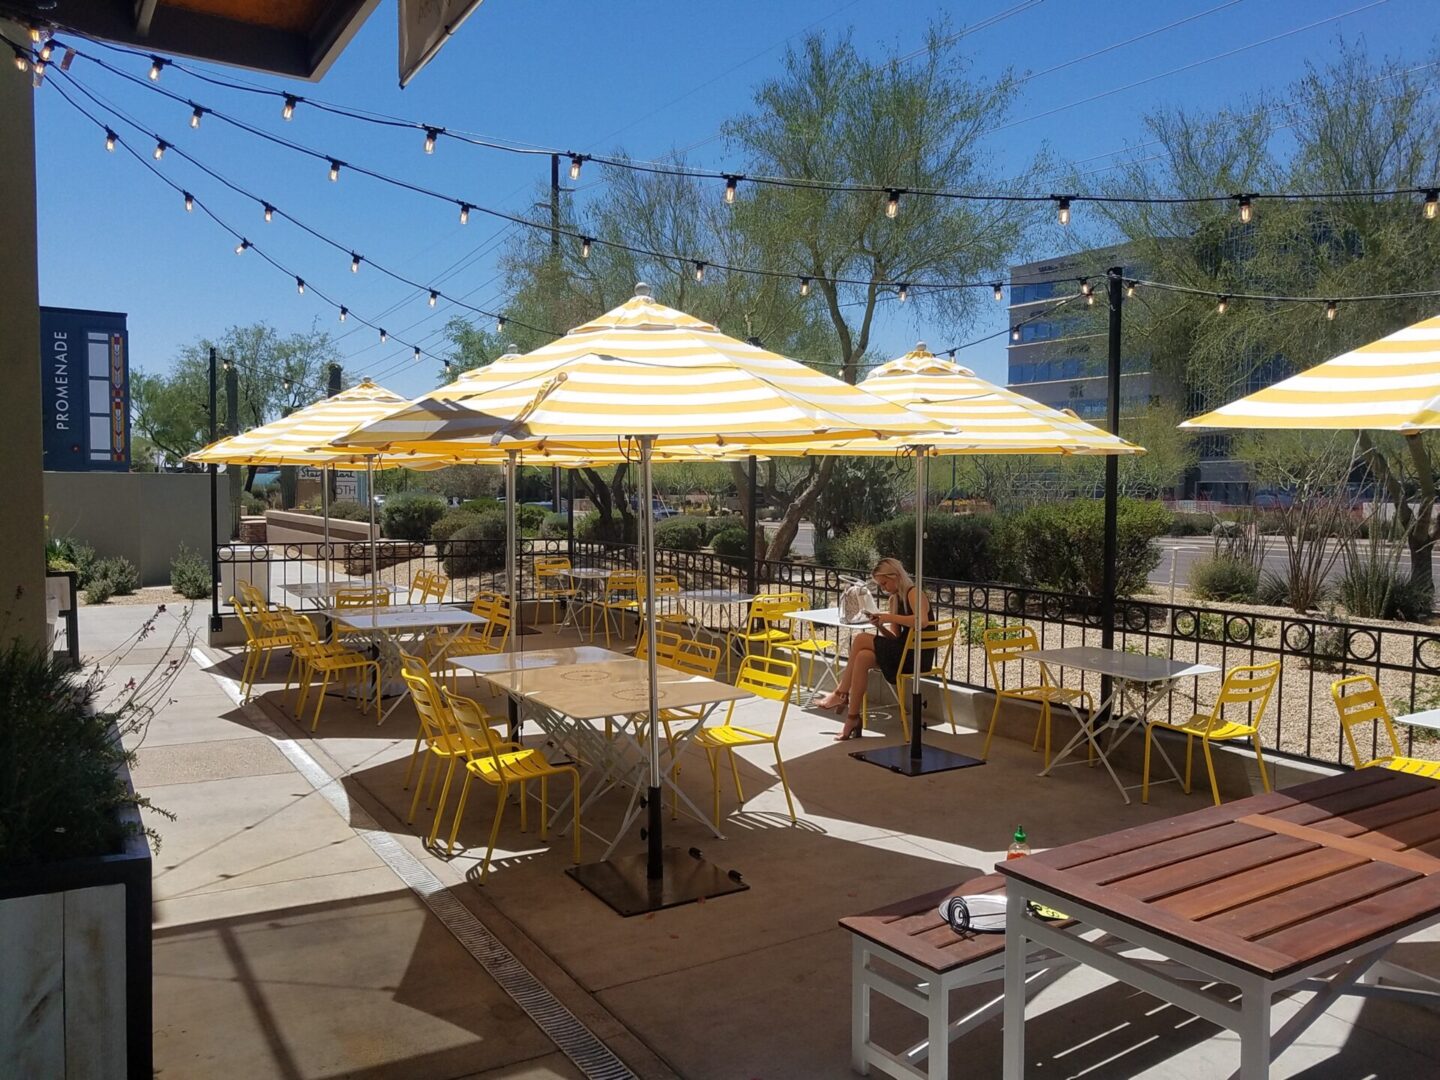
300 286
417 354
575 162
999 293
354 263
433 297
892 203
288 384
22 63
343 312
1086 289
1432 204
585 247
804 286
289 110
241 247
384 337
464 213
1062 210
499 324
731 182
269 211
1090 299
189 201
951 354
109 140
156 63
904 293
1245 211
1015 333
1222 305
334 170
1330 310
699 271
160 148
45 52
195 116
431 134
1130 289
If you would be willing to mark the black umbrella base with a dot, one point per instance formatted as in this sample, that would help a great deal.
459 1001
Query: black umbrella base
903 759
687 877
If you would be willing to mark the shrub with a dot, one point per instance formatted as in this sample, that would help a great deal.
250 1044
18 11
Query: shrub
451 522
957 547
732 545
120 572
528 519
555 527
478 546
680 534
715 524
592 526
410 515
1192 525
98 591
252 504
67 553
479 506
1222 578
190 575
1373 590
348 510
854 551
1060 545
1273 590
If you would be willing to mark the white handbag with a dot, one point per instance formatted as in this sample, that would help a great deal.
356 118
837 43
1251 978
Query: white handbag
856 603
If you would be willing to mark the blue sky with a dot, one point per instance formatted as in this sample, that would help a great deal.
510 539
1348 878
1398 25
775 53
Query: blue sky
647 77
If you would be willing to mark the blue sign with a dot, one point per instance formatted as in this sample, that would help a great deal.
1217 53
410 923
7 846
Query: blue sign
85 388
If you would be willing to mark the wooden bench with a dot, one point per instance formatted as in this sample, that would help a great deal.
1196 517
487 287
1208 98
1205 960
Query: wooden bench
931 960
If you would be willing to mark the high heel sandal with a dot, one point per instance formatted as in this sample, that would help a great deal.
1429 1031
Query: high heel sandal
852 729
841 699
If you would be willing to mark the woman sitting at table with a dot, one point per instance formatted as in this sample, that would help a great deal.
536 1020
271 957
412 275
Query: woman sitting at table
883 648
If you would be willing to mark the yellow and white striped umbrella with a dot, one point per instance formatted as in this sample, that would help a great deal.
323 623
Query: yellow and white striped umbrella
1388 385
643 369
978 416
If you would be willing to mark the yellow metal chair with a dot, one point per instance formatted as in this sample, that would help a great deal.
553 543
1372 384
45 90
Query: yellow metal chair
419 587
261 641
693 658
1248 688
356 600
668 611
939 637
1009 644
765 677
553 583
440 739
797 639
328 659
501 764
492 636
1360 704
765 626
619 597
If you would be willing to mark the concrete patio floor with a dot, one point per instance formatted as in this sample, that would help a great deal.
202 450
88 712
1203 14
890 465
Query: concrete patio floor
286 946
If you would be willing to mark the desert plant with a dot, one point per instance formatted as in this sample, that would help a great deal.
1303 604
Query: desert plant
190 575
120 572
957 547
528 519
410 515
1373 585
855 550
451 522
555 527
252 504
680 534
478 546
1273 590
1061 545
733 545
348 510
99 590
1222 577
715 524
477 506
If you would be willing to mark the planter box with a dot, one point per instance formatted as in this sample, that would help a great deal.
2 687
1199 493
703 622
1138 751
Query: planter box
62 602
75 998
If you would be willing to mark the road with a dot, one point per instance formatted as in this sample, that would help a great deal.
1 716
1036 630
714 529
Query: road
1182 552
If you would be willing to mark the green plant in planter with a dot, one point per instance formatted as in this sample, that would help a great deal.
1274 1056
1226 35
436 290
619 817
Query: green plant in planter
61 747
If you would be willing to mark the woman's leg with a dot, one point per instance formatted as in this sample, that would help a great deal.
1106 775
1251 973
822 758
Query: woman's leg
863 644
861 661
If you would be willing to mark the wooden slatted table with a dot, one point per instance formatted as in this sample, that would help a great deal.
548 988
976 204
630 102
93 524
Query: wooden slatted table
1306 888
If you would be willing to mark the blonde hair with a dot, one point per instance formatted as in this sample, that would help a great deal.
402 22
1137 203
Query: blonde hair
896 567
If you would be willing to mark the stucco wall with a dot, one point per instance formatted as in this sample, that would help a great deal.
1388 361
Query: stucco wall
142 516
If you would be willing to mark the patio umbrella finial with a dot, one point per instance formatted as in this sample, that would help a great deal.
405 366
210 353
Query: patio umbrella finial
642 289
921 347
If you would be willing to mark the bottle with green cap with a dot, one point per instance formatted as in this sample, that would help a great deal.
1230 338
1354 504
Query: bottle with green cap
1019 845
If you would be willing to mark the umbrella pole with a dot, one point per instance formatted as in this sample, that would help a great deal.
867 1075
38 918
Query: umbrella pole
917 758
374 553
325 510
512 578
654 857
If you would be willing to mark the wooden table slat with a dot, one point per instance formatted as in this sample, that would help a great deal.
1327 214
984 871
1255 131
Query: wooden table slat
1258 883
1126 864
1216 866
1304 903
1359 922
1386 814
1351 800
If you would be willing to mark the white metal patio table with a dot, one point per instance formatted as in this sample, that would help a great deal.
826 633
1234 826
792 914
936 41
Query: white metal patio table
324 592
1157 676
724 601
831 619
387 625
588 580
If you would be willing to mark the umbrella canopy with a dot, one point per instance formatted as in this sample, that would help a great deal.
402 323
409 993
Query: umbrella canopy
1389 385
642 369
980 417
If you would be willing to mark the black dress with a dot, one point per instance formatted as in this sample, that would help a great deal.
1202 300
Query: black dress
888 648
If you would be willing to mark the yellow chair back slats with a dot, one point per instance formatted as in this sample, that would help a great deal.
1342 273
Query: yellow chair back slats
767 677
620 584
435 725
472 718
435 588
362 597
1246 687
1005 644
669 644
419 586
694 657
938 637
1360 704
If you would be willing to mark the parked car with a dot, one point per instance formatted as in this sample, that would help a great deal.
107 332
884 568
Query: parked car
1272 500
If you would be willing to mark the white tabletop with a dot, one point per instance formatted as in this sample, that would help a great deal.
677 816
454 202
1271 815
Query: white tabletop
716 596
584 572
829 616
613 688
388 619
1132 667
492 663
1429 718
316 590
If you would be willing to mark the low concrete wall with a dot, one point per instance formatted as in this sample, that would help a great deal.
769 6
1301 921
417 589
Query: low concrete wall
142 516
293 527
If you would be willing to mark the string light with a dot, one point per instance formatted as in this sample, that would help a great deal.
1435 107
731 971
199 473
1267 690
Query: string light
804 286
45 51
334 170
189 201
110 140
1086 289
499 324
242 246
160 148
288 383
904 293
1090 299
288 112
156 63
464 213
999 293
731 182
585 243
951 354
1432 204
1246 212
417 354
300 285
1130 290
354 263
384 337
1330 309
269 211
1223 303
22 62
892 202
195 116
433 297
343 312
576 160
431 134
1015 333
1062 208
699 271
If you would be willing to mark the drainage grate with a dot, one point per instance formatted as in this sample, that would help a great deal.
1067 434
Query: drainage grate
576 1041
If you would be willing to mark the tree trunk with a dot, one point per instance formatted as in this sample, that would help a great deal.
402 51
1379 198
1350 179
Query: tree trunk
1421 534
799 506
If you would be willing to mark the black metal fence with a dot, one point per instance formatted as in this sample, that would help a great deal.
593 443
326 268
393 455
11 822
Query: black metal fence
1301 722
